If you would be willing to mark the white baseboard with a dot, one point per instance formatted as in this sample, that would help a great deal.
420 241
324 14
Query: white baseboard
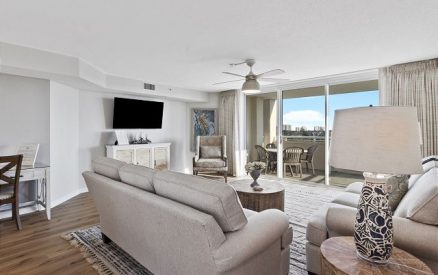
30 209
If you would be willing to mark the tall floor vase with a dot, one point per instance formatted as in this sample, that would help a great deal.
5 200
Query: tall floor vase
373 228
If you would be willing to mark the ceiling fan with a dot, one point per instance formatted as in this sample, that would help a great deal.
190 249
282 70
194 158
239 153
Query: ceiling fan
251 85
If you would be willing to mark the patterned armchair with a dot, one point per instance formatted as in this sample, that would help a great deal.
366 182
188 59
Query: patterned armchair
211 155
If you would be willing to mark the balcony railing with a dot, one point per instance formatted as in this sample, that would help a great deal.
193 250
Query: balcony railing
304 138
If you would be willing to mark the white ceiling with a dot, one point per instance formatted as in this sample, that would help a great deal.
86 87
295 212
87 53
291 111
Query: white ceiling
189 43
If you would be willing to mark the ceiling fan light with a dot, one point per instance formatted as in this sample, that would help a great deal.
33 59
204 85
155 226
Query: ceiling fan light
251 86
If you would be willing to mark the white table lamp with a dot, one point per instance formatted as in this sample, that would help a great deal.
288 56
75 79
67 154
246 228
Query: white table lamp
378 141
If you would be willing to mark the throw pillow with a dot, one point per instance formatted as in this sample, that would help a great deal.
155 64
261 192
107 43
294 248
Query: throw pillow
421 202
211 152
397 187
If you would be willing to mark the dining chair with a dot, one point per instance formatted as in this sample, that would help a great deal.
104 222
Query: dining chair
272 160
7 163
308 158
291 158
271 146
262 155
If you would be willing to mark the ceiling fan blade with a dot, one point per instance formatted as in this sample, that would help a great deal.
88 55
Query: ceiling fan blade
271 73
274 80
234 74
227 81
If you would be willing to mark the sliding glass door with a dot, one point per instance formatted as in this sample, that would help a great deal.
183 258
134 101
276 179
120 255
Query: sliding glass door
305 116
304 131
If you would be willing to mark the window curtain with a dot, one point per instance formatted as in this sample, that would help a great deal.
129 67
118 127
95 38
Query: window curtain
415 84
229 125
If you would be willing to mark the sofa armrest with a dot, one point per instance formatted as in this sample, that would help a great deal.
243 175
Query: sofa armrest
416 238
261 231
340 220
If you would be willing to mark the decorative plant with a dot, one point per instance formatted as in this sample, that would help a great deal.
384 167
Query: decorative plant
256 165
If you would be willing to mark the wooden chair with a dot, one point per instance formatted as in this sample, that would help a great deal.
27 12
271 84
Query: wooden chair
291 158
262 156
308 158
272 161
271 146
11 197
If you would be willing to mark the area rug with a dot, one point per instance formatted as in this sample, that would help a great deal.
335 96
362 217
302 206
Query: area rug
107 259
301 202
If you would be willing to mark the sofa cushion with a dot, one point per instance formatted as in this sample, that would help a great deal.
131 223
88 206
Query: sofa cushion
212 197
316 230
211 152
138 176
397 187
210 163
420 204
348 199
355 187
107 167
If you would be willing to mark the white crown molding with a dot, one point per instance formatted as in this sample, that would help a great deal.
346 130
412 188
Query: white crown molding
80 74
357 76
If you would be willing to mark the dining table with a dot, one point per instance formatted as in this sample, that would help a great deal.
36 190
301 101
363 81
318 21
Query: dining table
274 150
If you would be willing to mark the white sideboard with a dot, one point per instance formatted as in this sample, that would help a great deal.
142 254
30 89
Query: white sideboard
153 155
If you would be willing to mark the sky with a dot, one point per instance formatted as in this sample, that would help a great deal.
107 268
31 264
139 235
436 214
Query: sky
309 111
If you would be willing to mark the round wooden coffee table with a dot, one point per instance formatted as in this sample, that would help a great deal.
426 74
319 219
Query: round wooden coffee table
338 256
272 195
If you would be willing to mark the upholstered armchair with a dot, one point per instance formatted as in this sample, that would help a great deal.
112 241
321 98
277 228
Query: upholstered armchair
211 155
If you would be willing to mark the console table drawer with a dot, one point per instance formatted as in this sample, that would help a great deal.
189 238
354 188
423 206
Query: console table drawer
27 175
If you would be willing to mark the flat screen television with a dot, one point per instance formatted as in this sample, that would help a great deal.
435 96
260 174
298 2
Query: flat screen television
137 114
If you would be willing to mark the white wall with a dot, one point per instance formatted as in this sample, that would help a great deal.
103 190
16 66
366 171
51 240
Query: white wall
64 142
95 128
24 113
73 126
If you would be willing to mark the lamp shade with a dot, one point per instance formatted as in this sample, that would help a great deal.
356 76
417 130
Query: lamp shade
251 86
376 139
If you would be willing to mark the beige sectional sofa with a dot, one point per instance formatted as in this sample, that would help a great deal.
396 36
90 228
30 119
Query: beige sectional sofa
415 219
174 223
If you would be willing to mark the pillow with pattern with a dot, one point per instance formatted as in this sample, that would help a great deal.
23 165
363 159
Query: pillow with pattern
397 187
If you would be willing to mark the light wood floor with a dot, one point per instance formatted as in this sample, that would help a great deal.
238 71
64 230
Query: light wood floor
39 249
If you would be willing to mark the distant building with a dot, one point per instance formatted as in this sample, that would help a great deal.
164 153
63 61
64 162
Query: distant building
319 128
287 127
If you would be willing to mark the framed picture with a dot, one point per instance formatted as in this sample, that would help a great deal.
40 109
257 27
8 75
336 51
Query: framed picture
204 123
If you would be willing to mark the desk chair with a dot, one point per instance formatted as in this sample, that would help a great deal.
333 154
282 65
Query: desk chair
11 197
